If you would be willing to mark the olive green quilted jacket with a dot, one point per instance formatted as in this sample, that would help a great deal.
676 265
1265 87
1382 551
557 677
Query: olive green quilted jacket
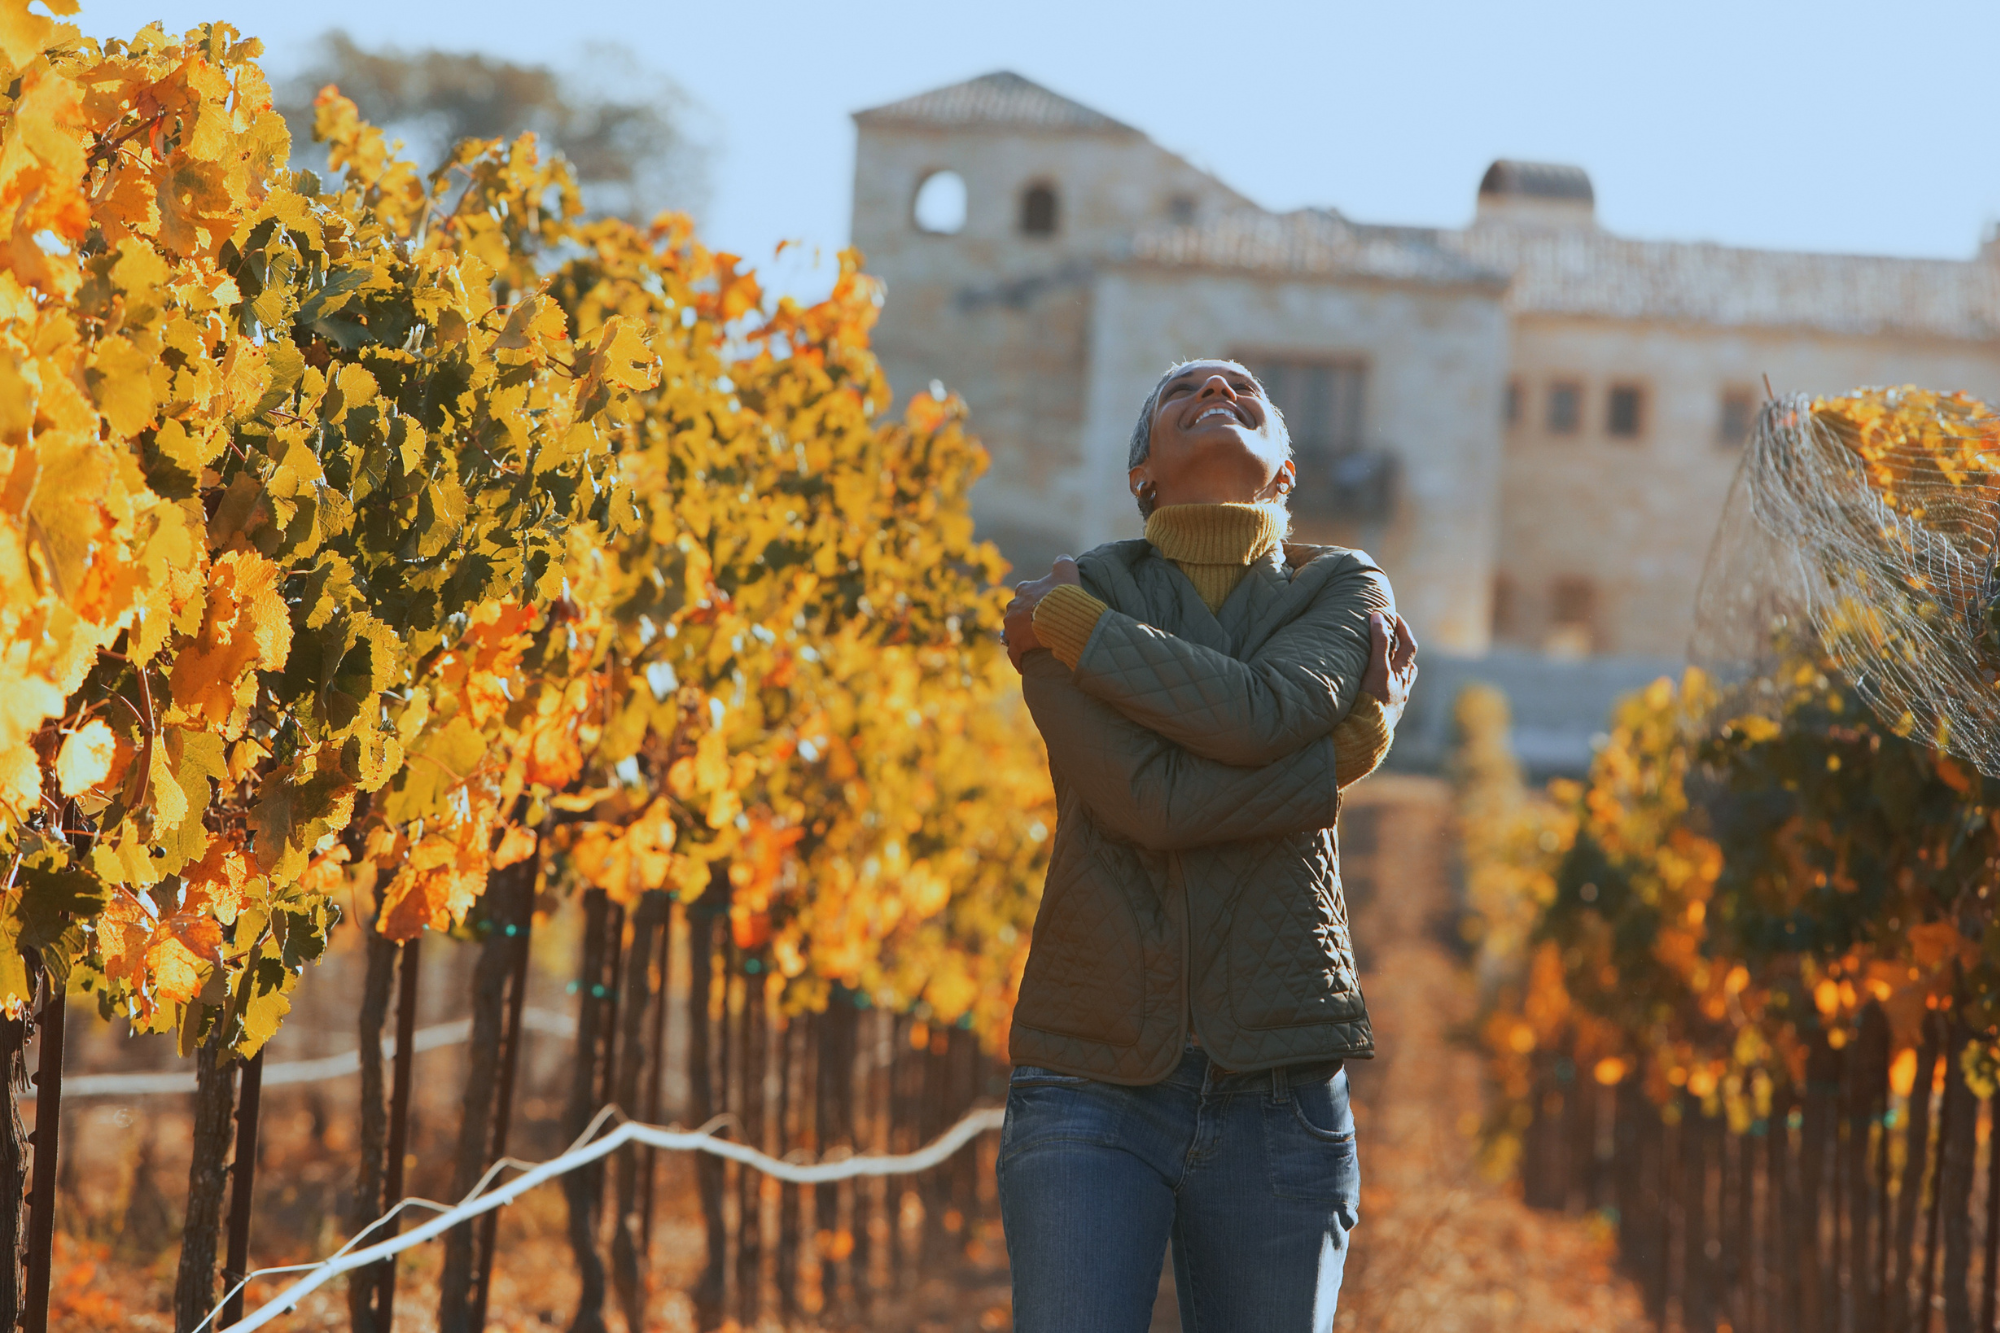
1194 877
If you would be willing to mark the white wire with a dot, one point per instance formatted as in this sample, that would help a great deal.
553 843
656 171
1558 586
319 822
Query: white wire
585 1151
304 1071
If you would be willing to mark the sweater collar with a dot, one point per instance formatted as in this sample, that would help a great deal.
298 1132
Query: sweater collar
1217 534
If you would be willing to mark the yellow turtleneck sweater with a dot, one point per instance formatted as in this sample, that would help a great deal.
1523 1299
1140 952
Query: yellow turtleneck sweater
1214 545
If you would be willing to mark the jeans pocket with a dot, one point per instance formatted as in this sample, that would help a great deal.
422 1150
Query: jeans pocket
1309 1148
1046 1108
1322 1107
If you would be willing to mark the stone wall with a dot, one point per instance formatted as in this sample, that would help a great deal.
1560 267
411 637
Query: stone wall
1630 520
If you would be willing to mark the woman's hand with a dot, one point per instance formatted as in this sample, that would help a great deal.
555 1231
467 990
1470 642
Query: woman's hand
1019 636
1392 662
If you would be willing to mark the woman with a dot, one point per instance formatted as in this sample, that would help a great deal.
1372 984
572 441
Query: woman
1191 996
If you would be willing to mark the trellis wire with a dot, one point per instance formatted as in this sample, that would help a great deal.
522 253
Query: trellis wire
587 1151
315 1070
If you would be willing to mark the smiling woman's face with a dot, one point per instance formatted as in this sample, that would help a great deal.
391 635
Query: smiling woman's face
1214 439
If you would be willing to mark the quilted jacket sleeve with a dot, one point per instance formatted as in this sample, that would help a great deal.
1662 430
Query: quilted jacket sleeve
1293 691
1151 791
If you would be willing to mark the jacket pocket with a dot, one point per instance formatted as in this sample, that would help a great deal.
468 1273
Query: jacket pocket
1086 966
1289 959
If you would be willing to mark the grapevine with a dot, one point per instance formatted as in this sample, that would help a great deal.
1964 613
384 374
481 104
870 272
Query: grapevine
369 535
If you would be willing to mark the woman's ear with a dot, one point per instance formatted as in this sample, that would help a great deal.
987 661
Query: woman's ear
1282 484
1140 478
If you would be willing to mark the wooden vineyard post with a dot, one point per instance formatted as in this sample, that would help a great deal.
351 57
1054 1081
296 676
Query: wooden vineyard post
1654 1179
1958 1144
1697 1289
1581 1109
1866 1090
486 1103
932 1237
214 1107
14 1149
729 1095
861 1110
656 1077
1815 1138
583 1189
795 1116
378 989
242 1186
408 969
628 1249
835 1212
1989 1291
749 1183
1743 1246
882 1113
1730 1241
48 1130
1536 1189
701 918
503 1108
1916 1138
1935 1217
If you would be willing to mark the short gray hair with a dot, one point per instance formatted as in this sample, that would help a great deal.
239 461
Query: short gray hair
1142 432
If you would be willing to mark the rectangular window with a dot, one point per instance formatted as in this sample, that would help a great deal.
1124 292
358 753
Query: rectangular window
1565 407
1574 602
1513 402
1506 608
1572 618
1625 412
1322 401
1739 413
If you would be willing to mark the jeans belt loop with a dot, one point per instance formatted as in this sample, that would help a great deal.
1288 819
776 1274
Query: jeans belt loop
1280 1084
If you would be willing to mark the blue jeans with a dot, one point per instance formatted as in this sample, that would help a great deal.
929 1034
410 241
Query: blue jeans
1253 1176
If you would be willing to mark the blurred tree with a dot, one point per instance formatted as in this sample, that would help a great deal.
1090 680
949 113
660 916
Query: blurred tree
625 130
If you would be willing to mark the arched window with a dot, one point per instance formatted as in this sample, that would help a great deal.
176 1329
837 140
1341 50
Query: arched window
940 204
1038 210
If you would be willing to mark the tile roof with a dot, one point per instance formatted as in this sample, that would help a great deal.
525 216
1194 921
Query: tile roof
1310 242
1002 98
1584 271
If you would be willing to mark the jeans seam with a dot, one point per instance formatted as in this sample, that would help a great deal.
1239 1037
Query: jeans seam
1191 1313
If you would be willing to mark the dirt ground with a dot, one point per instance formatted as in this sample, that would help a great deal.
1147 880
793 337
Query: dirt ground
1440 1248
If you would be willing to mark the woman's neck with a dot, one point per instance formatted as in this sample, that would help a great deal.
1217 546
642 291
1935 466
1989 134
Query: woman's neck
1223 533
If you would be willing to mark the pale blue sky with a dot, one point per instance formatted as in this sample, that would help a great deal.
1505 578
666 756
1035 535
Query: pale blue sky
1827 125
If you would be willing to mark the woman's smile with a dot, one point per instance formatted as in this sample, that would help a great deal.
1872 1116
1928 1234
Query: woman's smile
1213 437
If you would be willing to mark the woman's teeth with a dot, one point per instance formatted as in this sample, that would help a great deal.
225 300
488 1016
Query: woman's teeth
1215 412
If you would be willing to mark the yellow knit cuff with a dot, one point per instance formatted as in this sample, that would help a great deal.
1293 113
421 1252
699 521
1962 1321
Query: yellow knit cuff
1064 620
1360 741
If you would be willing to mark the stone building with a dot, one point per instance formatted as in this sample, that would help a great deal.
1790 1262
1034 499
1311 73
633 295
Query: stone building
1532 423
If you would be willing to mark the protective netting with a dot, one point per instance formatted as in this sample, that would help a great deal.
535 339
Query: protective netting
1870 519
